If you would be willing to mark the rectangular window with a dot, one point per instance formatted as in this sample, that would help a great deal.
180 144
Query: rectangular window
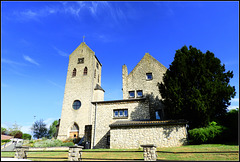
149 76
121 113
80 60
126 113
139 93
131 94
115 113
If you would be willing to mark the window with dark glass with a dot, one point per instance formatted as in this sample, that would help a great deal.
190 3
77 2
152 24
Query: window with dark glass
76 104
74 72
80 60
125 113
139 93
149 76
85 71
116 113
97 65
131 94
120 113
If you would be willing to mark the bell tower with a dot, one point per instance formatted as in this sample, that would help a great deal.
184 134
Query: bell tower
83 76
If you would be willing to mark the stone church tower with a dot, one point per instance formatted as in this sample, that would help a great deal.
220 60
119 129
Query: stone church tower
83 86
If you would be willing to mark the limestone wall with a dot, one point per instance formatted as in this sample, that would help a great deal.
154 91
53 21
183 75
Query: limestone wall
161 135
79 87
137 110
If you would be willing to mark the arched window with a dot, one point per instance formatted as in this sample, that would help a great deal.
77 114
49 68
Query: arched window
74 72
75 127
95 73
74 132
85 71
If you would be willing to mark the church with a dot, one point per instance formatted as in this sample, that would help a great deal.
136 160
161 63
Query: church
134 120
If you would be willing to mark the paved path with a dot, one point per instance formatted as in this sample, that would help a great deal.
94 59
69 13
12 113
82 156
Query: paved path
9 147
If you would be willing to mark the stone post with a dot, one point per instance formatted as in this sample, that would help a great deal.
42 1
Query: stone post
74 153
149 152
21 152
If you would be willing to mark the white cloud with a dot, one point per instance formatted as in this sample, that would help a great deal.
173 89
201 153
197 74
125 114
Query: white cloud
7 61
55 84
60 52
27 58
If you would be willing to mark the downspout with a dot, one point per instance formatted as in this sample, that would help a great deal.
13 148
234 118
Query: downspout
95 122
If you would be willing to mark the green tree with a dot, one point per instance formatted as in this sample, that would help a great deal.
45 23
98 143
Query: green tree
15 131
26 136
3 130
52 129
39 129
196 87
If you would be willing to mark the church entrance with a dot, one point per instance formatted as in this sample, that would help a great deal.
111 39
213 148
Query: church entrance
74 132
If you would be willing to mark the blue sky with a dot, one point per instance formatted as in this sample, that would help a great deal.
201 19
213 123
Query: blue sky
38 37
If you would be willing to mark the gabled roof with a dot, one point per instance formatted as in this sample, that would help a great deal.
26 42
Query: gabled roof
6 137
147 57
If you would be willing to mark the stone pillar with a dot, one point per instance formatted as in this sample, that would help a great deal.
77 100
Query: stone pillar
74 153
149 152
21 152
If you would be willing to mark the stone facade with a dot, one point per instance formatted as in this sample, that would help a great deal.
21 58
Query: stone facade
126 123
80 87
161 135
138 109
137 80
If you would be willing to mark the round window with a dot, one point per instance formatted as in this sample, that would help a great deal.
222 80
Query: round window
76 104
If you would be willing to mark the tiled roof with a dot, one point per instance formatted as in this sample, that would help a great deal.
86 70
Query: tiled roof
98 87
124 100
147 122
6 137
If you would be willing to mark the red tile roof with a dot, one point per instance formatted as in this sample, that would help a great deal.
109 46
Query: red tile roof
5 137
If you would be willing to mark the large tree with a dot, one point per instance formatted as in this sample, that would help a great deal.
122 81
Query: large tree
196 87
53 129
39 129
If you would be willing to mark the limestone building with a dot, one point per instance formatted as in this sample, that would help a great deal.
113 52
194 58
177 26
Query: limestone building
136 119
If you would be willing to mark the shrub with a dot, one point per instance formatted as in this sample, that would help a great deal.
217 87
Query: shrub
209 134
68 144
26 136
52 143
6 141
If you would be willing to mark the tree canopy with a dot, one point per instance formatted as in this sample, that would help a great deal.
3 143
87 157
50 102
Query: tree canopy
196 87
53 129
39 129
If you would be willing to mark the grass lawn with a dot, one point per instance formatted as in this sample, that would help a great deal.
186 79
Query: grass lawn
204 152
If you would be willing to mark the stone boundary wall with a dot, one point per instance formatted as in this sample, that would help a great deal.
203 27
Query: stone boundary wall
160 135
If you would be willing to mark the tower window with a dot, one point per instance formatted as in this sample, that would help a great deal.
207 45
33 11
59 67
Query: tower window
85 71
76 104
149 76
74 72
131 94
95 73
80 60
97 65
